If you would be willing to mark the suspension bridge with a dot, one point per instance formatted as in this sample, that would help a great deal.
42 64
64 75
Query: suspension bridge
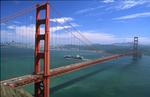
41 77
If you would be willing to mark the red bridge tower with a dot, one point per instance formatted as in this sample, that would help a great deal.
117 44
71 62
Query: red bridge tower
136 54
42 88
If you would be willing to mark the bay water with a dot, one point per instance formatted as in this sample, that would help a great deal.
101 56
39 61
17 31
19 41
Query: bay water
123 77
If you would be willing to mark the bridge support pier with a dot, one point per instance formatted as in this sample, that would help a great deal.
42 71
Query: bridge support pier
42 88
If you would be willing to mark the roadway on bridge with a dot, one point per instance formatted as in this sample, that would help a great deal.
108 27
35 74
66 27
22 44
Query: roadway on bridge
27 79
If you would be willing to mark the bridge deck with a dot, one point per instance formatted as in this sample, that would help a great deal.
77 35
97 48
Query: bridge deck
27 79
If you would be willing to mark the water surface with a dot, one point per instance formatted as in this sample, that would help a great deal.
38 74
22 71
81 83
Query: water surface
118 78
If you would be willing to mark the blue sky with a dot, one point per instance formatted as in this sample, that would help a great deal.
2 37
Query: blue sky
102 21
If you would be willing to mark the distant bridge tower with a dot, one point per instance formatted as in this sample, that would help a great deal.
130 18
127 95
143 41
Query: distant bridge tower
135 49
42 88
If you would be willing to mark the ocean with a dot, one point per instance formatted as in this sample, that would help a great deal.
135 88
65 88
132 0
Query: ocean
123 77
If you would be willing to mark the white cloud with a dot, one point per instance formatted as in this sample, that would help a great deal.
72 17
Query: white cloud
62 19
11 27
88 10
26 31
99 37
94 37
26 34
57 28
144 40
126 4
5 35
108 1
105 38
74 24
132 16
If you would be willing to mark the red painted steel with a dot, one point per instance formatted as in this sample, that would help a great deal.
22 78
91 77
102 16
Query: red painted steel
47 53
37 69
78 66
135 48
39 89
60 71
42 80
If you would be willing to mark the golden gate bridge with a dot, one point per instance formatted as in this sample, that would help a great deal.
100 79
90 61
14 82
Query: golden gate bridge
41 77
